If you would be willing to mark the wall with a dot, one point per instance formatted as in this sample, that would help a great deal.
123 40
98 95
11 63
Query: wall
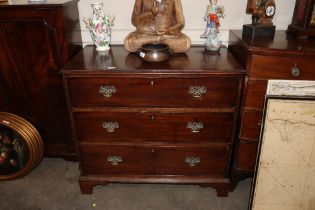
193 12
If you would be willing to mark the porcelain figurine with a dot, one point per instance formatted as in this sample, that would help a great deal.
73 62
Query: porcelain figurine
100 27
212 15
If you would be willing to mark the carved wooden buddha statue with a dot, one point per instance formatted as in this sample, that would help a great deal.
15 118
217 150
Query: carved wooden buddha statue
158 21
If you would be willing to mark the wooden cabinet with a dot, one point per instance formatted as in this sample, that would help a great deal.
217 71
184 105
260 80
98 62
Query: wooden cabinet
170 122
36 41
283 57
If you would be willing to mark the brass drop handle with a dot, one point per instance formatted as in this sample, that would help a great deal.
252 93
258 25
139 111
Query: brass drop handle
197 91
195 127
107 90
110 126
115 159
192 161
295 71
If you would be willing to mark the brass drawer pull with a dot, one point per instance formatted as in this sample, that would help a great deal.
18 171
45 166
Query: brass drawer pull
195 127
192 161
110 126
107 90
114 160
197 91
295 71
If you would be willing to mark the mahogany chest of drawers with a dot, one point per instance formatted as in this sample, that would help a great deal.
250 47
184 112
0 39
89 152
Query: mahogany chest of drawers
283 57
170 122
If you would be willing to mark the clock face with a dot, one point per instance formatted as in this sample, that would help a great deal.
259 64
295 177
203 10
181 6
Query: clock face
270 10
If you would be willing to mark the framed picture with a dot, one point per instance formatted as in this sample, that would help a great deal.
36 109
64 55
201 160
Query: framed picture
13 151
21 146
285 171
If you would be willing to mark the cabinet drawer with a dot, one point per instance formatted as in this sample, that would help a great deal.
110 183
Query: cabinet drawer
110 160
247 152
192 160
124 126
217 91
154 160
251 124
256 91
278 67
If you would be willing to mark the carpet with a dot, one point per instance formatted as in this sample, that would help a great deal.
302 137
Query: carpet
53 185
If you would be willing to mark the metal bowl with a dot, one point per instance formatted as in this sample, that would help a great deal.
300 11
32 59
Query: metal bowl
155 52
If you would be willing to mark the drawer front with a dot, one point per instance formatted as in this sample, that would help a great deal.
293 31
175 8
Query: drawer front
217 92
192 161
154 160
116 160
247 152
251 124
256 91
115 126
277 67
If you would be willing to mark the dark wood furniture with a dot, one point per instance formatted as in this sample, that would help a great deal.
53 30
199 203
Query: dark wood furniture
169 122
283 57
36 41
303 20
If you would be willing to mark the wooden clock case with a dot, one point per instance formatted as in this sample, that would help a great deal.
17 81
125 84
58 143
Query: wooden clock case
303 20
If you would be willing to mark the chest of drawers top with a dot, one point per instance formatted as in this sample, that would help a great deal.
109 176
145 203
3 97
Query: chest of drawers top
119 61
281 43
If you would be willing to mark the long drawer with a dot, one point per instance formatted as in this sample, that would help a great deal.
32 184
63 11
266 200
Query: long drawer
154 160
119 125
281 67
216 91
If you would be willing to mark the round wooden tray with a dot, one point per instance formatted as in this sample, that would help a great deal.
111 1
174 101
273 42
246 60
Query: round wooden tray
21 146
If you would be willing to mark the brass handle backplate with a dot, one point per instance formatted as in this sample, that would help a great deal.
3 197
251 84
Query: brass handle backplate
107 90
192 161
115 160
195 127
110 126
197 91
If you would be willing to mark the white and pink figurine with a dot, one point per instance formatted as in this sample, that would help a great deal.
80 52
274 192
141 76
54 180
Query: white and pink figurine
212 15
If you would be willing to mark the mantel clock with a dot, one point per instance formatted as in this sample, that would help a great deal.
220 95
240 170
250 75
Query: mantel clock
262 12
